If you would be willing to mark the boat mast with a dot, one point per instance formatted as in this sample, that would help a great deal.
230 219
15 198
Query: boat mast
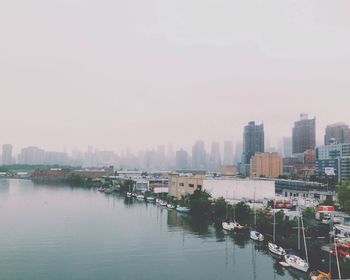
254 209
336 253
299 231
274 221
302 224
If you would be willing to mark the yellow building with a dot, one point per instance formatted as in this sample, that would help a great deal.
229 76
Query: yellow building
266 165
184 184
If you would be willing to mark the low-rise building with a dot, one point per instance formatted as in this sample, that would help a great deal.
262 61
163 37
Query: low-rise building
183 184
266 165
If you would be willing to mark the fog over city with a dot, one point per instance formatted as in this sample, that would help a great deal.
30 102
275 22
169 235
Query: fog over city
137 74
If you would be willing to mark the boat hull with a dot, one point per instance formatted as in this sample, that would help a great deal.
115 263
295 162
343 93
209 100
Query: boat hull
277 250
256 236
296 262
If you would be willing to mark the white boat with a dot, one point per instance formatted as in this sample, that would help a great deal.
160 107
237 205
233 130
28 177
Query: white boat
273 247
150 199
158 200
140 197
256 236
170 206
182 209
236 226
227 226
278 250
128 194
163 203
296 262
101 189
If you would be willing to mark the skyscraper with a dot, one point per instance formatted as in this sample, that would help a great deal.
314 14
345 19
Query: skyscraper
181 159
199 156
6 154
339 131
287 146
215 157
304 134
253 141
228 153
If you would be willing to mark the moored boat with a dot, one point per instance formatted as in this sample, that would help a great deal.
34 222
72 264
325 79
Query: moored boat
227 226
278 250
128 194
256 236
170 206
101 189
140 197
319 275
163 203
183 209
296 262
150 199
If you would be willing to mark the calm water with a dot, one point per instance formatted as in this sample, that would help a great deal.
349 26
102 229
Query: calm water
56 232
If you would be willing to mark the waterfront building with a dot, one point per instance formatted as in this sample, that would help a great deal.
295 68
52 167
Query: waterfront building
266 165
304 134
183 184
236 189
7 154
340 132
333 160
199 156
301 190
228 153
181 159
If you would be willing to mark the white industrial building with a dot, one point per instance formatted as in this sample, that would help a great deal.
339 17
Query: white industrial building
238 189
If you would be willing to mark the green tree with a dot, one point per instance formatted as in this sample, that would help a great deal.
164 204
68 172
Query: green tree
200 203
343 195
242 213
220 208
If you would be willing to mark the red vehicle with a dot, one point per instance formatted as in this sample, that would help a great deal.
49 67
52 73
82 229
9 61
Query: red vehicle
343 251
282 204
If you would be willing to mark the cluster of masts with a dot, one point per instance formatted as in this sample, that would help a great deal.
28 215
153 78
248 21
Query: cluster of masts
289 259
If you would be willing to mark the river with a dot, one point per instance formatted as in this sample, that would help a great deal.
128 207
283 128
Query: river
60 232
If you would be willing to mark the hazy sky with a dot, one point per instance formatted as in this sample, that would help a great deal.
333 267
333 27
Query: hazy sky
139 73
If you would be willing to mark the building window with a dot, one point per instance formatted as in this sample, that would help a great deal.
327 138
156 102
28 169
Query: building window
199 187
181 184
191 185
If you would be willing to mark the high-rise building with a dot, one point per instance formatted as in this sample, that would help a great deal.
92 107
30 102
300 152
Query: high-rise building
32 155
199 156
6 154
266 165
340 132
181 159
304 134
287 147
333 160
253 141
238 152
215 157
228 153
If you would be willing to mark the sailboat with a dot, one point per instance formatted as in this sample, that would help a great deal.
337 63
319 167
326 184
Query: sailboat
273 248
235 225
226 226
294 260
254 234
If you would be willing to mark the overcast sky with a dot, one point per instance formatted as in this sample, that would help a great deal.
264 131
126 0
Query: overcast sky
139 73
